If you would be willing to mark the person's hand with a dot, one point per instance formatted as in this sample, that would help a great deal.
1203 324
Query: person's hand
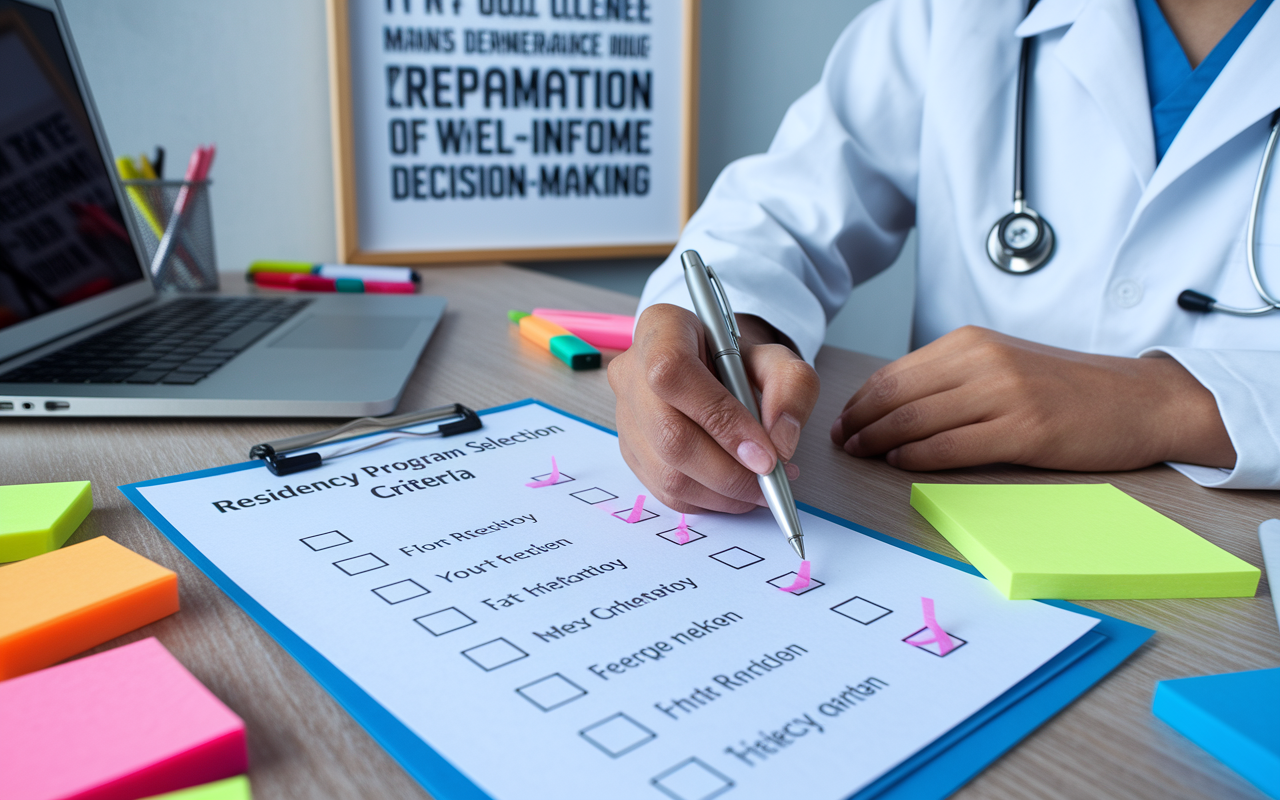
686 437
979 397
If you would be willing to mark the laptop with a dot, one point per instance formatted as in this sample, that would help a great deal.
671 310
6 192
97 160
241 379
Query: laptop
83 332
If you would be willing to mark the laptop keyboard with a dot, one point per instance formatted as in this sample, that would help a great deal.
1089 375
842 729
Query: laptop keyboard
181 342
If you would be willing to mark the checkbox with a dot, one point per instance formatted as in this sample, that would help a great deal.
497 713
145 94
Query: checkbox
551 692
562 479
493 654
692 780
617 735
357 565
737 558
323 541
446 620
645 515
674 537
933 648
783 581
593 495
400 591
859 609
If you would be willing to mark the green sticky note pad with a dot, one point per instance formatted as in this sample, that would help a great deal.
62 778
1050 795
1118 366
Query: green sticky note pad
1078 542
236 788
37 518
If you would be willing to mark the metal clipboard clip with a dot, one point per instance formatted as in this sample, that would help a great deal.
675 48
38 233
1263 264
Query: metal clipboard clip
276 453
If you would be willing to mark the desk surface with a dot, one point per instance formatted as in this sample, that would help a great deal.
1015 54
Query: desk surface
303 745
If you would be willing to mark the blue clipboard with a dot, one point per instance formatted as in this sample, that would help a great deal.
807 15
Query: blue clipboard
934 772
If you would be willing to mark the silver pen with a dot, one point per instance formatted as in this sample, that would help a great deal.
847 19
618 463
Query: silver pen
717 317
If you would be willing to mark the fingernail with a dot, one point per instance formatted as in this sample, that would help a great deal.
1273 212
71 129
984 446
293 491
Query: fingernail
785 435
852 445
793 472
837 430
892 457
755 457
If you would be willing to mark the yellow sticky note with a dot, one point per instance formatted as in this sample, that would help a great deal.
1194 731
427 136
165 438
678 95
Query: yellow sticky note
1078 542
236 788
36 518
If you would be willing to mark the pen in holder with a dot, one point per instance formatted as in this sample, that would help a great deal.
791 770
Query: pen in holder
176 224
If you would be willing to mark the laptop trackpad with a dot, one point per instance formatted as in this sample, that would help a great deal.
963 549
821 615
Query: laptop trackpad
349 331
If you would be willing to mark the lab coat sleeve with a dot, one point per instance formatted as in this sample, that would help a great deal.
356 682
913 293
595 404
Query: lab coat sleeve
829 205
1245 384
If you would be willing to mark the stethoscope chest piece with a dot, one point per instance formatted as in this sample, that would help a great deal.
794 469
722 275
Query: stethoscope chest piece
1021 241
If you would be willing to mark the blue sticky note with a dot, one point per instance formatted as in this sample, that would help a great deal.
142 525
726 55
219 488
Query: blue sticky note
1235 717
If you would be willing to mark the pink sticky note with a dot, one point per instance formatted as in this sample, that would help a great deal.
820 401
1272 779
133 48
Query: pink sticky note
945 645
123 724
637 511
682 531
802 579
550 480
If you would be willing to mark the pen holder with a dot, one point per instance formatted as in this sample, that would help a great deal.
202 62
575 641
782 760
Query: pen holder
176 225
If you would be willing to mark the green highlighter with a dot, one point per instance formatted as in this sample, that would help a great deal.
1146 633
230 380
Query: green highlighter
562 344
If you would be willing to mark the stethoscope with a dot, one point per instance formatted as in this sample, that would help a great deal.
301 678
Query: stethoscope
1022 241
1199 302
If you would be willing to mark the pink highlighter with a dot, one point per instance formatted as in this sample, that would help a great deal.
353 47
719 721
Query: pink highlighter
610 331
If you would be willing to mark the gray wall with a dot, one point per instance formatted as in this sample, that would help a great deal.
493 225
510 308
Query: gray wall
252 76
757 57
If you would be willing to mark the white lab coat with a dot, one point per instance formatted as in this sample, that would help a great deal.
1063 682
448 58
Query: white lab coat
912 124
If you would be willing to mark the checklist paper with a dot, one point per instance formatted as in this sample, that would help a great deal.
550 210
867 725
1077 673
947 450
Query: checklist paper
546 647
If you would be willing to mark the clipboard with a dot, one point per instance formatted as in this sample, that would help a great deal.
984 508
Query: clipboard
937 770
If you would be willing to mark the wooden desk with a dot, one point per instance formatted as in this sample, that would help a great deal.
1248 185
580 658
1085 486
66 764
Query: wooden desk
304 745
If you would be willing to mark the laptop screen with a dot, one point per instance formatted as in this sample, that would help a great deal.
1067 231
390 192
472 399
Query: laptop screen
62 236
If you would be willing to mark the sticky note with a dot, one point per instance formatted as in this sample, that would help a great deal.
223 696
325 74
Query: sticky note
1078 542
1235 717
62 603
36 518
127 723
236 788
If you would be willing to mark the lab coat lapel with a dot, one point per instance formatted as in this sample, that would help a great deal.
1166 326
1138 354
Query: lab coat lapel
1246 91
1103 50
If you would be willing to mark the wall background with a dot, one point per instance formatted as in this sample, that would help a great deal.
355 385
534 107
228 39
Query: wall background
252 76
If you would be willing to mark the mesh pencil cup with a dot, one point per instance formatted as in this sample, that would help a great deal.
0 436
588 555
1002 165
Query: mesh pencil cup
176 224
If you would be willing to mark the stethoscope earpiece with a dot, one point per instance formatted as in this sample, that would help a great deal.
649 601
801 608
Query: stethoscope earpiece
1021 241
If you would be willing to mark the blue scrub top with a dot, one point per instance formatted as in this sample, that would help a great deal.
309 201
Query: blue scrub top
1174 86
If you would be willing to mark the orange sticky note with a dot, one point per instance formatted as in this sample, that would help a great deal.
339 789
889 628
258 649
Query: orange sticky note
62 603
119 725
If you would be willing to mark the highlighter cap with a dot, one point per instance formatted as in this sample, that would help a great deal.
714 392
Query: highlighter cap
575 352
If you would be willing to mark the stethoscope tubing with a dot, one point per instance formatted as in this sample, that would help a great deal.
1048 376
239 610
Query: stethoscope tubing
1251 250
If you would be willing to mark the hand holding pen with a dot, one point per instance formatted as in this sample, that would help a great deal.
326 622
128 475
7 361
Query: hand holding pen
694 445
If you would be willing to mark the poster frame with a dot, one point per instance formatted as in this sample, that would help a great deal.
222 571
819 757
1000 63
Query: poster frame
346 162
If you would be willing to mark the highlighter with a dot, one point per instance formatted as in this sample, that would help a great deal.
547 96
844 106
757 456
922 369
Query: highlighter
562 344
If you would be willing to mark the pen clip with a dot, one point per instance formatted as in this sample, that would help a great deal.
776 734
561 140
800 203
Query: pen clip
722 300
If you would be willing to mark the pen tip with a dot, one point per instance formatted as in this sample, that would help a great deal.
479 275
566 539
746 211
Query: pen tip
798 545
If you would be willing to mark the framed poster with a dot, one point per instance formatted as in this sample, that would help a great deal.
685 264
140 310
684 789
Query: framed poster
482 130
